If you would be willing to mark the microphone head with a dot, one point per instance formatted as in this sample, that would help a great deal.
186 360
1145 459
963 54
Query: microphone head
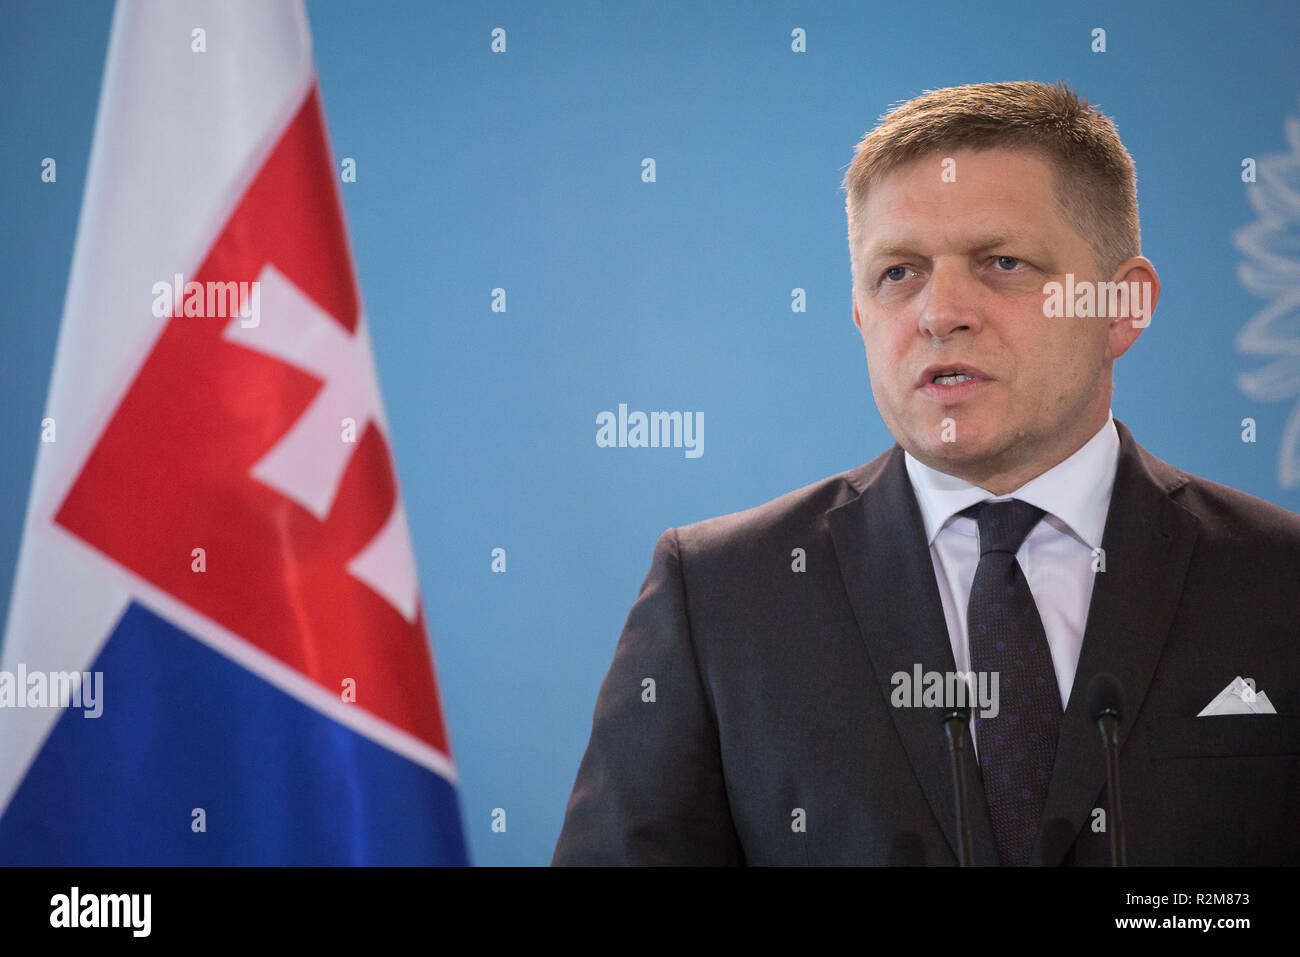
954 714
1105 696
949 719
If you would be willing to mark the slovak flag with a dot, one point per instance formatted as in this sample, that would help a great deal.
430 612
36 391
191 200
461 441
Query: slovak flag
216 652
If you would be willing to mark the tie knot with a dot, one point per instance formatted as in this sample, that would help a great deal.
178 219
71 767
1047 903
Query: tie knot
1004 525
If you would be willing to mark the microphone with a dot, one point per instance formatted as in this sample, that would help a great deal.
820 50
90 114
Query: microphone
1106 705
954 727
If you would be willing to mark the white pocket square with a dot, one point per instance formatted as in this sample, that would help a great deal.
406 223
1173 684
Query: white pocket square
1240 697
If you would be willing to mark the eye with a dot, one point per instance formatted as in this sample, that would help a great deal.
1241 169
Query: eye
1007 263
896 273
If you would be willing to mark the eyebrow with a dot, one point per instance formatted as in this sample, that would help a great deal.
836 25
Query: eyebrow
902 247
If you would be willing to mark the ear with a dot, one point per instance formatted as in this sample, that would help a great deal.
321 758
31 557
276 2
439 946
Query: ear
1139 275
857 319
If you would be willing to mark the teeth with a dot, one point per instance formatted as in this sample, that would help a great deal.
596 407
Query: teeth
952 379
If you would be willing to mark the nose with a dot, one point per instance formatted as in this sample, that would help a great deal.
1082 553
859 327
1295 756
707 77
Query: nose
950 302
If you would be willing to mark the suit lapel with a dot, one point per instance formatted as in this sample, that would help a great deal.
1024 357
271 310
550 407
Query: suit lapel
1147 543
885 562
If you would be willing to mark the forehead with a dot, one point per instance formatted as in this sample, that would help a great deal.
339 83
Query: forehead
999 190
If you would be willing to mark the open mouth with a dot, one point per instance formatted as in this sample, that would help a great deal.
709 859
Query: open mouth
952 378
941 373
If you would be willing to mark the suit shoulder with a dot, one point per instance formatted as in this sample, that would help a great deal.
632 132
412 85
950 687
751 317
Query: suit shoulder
1231 514
799 512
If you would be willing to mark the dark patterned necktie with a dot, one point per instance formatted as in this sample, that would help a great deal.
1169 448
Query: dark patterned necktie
1018 747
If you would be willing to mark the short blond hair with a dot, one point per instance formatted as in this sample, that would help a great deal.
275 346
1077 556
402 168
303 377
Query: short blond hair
1096 184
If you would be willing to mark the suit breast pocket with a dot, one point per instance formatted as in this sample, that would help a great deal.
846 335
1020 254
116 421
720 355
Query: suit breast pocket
1242 735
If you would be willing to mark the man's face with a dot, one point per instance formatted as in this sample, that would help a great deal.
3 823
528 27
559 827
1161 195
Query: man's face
952 276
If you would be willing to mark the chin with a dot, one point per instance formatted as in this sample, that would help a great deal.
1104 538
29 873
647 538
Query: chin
956 452
965 450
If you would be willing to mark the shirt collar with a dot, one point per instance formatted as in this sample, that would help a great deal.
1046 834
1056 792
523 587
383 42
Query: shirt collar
1076 491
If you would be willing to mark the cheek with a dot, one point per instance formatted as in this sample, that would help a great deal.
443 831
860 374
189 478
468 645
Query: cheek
884 370
884 347
1053 356
1059 371
882 375
1075 356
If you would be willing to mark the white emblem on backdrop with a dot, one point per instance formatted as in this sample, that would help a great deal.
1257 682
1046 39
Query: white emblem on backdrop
1271 271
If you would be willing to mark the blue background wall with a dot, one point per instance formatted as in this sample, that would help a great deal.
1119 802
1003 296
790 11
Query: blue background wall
523 171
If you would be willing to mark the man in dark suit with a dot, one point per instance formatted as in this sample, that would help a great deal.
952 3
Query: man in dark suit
763 705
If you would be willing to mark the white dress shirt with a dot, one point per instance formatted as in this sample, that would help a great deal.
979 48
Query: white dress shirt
1056 557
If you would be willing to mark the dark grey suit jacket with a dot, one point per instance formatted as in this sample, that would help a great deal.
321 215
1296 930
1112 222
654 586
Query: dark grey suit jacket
772 687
